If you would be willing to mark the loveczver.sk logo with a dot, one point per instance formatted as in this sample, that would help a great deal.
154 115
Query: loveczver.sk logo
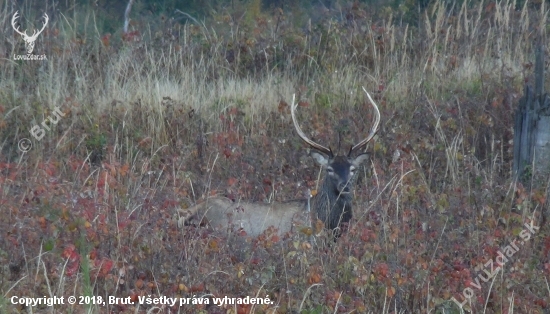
29 40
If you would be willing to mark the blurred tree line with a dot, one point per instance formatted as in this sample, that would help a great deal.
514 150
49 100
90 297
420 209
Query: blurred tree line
110 13
203 8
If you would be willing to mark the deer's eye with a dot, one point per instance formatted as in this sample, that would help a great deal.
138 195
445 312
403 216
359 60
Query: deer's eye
330 171
352 170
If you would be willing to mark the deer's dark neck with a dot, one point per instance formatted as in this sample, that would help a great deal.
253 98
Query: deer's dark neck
332 207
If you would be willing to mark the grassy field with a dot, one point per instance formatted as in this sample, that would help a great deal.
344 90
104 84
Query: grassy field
178 109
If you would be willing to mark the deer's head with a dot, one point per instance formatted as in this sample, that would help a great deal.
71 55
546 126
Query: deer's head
29 40
340 169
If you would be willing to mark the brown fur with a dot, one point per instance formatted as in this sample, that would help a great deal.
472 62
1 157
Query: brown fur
221 213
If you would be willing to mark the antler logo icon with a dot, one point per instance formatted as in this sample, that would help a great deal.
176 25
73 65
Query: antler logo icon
29 40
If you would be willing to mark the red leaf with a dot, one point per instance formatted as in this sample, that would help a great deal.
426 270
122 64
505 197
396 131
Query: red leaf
197 288
105 39
73 262
106 266
227 153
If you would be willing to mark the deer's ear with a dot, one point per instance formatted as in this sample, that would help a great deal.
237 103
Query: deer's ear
357 161
321 159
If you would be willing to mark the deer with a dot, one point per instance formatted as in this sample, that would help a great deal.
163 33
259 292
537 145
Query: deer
331 206
29 40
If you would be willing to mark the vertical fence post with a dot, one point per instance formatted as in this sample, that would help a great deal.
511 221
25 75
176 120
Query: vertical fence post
532 130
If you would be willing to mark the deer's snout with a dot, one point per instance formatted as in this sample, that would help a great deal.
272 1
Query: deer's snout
343 187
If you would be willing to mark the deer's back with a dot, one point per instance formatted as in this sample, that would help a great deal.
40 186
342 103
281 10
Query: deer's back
221 213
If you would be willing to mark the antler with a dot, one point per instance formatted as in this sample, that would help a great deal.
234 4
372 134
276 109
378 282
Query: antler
13 25
24 34
373 130
311 143
46 18
43 26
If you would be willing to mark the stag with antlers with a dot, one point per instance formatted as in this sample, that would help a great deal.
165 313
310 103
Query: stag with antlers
332 205
29 40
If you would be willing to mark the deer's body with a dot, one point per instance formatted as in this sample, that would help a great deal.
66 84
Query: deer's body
332 204
221 213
